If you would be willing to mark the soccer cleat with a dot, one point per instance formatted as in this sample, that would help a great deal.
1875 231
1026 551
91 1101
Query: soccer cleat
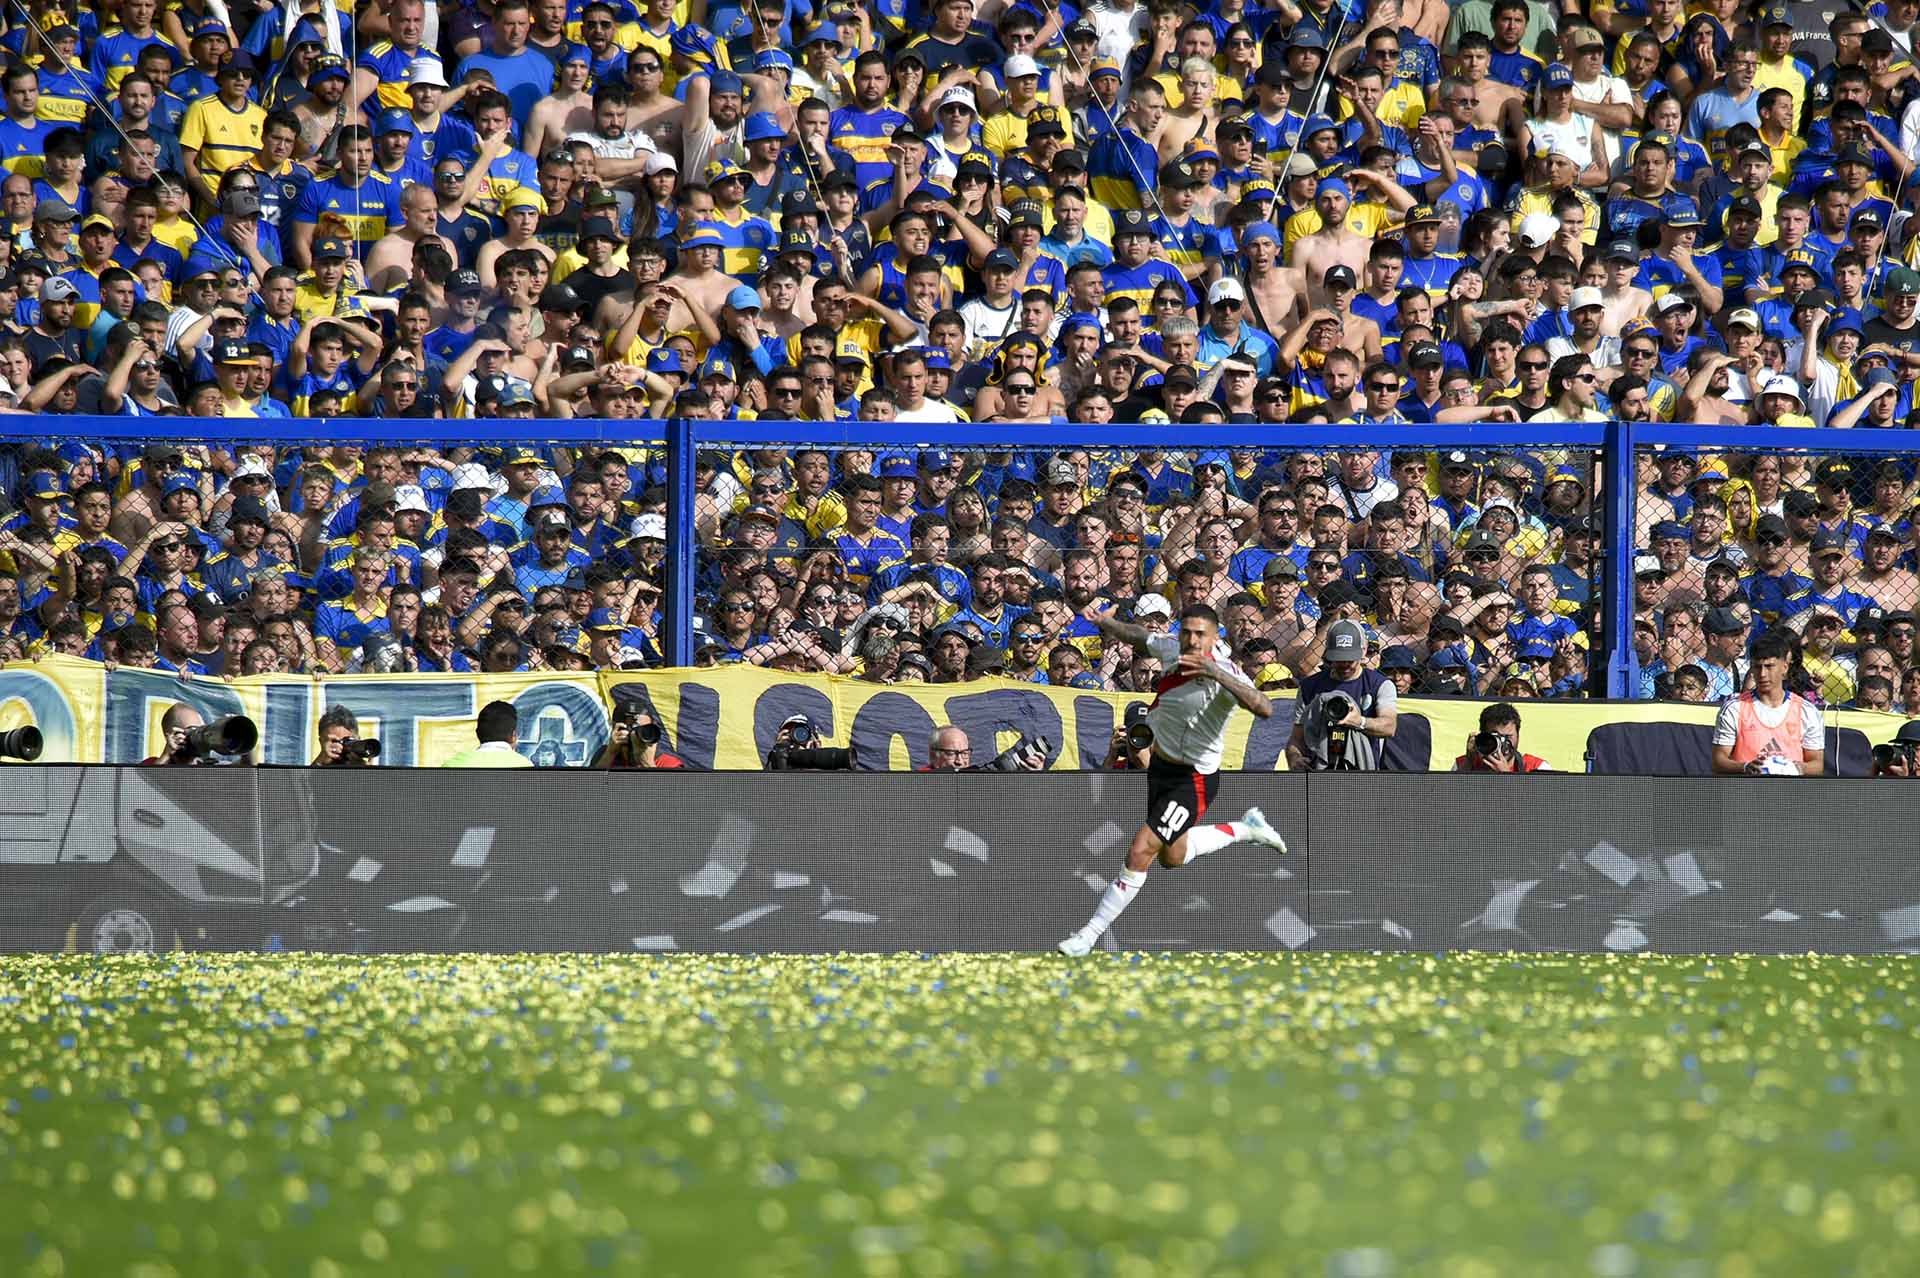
1077 945
1258 831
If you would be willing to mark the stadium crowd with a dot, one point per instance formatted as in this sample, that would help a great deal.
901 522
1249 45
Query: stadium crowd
1357 214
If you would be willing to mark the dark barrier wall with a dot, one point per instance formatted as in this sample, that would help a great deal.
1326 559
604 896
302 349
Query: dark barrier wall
131 858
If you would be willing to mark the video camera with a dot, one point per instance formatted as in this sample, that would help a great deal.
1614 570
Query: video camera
24 744
235 734
1338 706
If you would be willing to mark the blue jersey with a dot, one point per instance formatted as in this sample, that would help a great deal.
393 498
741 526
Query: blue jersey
864 137
863 560
1139 282
116 53
1434 274
1121 168
368 210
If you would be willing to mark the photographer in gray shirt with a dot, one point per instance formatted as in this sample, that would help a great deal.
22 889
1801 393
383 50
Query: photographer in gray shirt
1344 714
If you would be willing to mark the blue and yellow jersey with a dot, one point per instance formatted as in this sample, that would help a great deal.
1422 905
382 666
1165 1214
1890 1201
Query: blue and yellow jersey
191 84
309 300
1522 68
1121 168
116 53
67 96
223 137
301 392
365 211
865 136
1139 282
392 66
747 241
1046 272
1187 243
506 175
87 308
171 260
23 147
1434 274
865 558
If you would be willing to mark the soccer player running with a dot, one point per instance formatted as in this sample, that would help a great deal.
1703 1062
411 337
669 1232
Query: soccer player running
1191 705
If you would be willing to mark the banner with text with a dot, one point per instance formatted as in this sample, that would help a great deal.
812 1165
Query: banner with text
725 717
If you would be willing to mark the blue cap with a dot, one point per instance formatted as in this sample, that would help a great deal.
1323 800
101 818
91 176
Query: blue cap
665 360
717 365
1259 230
1682 212
936 458
1534 649
209 26
705 235
577 53
1085 679
724 82
179 482
694 39
1448 658
393 120
605 619
1306 36
1558 76
1315 124
1000 260
937 357
762 125
45 484
821 31
1670 528
766 60
744 297
1214 457
897 468
513 395
546 494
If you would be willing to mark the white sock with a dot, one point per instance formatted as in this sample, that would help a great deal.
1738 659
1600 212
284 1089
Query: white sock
1117 897
1202 839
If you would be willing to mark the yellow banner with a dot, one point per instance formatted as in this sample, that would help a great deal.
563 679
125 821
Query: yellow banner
724 717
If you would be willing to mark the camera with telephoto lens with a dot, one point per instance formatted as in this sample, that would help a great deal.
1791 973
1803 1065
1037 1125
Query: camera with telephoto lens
647 733
21 743
235 734
1140 736
1884 756
1491 745
359 750
1338 706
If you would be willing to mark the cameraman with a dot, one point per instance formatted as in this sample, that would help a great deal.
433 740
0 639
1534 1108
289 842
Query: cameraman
1897 758
635 742
175 726
1131 749
797 748
949 750
1496 747
340 743
1344 713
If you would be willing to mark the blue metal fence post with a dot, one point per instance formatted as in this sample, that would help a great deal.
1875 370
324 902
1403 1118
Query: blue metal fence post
1623 664
681 545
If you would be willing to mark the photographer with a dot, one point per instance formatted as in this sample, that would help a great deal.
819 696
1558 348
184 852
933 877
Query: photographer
1343 714
1496 747
949 750
341 745
192 741
635 742
797 748
1897 758
1131 749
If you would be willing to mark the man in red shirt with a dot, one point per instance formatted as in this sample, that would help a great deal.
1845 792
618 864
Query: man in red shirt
1496 747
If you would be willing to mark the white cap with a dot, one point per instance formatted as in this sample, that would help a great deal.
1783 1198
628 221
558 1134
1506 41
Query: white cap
251 467
1018 65
1584 297
1644 562
963 95
1781 384
471 475
410 497
1671 301
427 71
6 389
1152 606
1746 316
1538 228
629 656
1226 289
654 526
661 162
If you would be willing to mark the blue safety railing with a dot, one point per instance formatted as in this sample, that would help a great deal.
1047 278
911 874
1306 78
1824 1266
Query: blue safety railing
1617 443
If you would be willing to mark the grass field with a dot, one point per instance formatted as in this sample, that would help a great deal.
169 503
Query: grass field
304 1117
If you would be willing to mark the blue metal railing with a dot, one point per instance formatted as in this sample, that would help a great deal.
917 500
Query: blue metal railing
1616 443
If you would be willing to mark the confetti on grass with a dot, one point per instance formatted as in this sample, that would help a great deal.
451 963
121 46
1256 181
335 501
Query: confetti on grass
1129 1114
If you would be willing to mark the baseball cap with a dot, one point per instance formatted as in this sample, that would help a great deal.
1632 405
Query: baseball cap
57 288
1425 355
1558 75
1060 472
331 248
1537 229
227 352
1346 641
1152 605
1828 540
1000 260
1584 297
1226 288
465 281
1904 281
1682 212
1745 317
744 297
53 209
393 120
649 526
1338 276
1670 302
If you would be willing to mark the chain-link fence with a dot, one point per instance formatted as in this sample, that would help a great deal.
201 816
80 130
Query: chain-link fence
228 555
1814 546
1473 571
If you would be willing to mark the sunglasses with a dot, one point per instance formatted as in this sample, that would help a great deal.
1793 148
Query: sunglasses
1324 565
736 607
1482 556
784 392
1384 386
1533 366
1588 378
1027 638
1019 390
1639 352
1227 304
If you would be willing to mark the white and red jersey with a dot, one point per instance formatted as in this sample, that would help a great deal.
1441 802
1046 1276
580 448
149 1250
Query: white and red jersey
1751 729
1189 714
